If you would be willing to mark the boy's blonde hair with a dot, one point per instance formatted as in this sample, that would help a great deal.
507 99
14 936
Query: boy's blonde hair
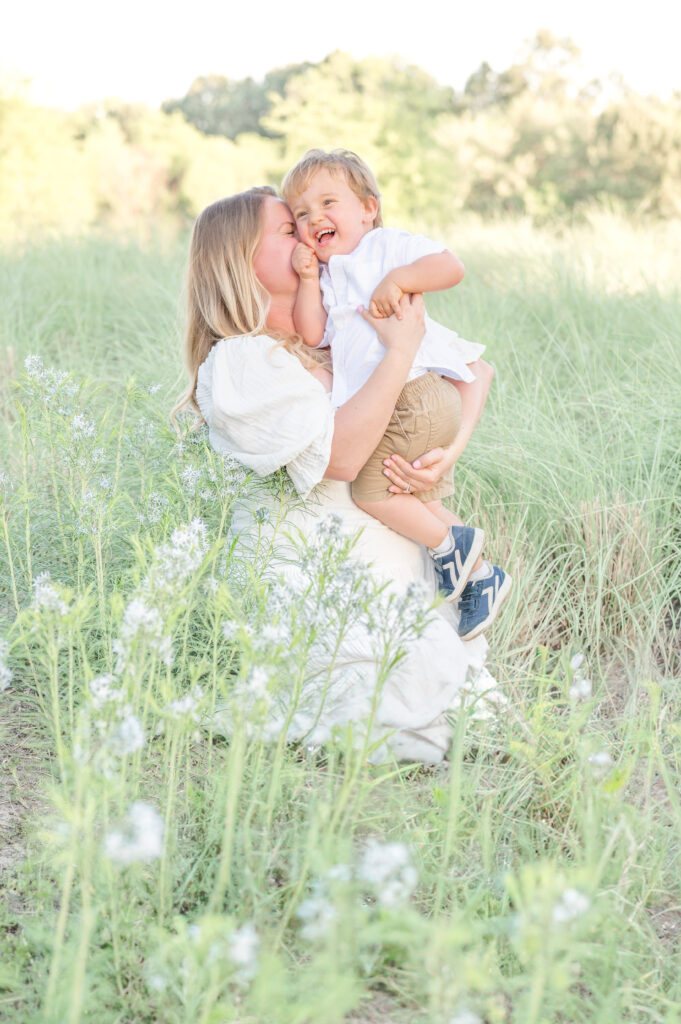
343 162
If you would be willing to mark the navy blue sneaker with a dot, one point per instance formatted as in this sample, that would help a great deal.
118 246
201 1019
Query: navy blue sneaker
454 568
480 602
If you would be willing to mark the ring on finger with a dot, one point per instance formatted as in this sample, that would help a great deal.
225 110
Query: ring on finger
407 489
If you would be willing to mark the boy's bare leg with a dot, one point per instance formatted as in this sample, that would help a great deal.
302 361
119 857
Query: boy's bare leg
405 514
447 517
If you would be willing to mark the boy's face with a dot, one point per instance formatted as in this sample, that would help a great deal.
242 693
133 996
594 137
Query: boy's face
329 217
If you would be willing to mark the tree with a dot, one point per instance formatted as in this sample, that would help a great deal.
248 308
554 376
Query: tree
391 113
221 106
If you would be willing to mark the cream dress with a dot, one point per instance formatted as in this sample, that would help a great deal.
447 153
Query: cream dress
265 410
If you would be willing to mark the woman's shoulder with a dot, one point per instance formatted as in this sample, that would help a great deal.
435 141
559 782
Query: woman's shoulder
246 352
251 365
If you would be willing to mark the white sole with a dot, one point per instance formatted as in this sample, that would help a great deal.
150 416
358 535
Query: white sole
502 594
467 567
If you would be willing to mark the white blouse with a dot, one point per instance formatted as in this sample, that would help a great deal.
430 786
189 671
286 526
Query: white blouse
348 281
266 410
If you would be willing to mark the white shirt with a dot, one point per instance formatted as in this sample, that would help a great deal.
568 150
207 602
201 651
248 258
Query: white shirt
349 281
266 410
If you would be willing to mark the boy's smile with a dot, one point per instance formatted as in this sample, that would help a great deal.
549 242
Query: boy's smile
329 217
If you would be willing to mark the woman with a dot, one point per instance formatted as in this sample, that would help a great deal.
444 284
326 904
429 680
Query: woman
265 399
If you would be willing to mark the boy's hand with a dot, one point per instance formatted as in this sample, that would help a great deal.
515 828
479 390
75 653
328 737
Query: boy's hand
305 263
386 299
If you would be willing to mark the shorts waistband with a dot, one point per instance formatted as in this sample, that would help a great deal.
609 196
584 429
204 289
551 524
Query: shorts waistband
419 386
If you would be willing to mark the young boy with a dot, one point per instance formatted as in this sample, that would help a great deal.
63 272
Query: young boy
346 259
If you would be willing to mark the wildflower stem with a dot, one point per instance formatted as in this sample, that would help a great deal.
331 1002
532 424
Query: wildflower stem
234 782
61 928
453 806
119 446
54 697
65 900
163 885
10 561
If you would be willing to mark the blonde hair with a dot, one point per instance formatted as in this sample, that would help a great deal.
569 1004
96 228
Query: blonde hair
358 176
224 297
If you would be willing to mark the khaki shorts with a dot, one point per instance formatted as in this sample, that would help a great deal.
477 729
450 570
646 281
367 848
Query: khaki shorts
427 415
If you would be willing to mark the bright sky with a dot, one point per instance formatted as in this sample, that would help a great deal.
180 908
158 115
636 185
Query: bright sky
76 51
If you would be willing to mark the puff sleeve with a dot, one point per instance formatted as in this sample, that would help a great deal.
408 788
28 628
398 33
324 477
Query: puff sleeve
264 409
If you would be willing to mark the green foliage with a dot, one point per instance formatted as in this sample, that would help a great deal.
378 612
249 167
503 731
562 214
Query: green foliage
218 106
527 140
543 858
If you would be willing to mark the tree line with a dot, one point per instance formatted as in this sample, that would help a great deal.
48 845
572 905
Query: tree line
525 141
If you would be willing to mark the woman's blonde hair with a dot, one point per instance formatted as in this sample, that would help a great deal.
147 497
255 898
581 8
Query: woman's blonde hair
358 175
224 297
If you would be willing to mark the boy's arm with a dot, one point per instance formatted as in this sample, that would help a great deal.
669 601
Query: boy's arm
432 273
309 315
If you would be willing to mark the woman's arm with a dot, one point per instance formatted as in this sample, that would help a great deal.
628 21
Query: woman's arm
360 423
425 471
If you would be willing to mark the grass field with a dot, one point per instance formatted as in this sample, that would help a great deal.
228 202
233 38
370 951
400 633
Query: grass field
153 872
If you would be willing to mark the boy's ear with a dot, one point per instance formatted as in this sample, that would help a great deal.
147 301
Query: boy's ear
371 208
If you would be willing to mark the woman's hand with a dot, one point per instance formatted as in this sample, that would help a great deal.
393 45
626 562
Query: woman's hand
421 474
403 335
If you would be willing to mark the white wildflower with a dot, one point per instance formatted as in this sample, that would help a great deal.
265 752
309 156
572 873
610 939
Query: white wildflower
571 905
129 736
187 706
257 681
230 629
33 365
329 525
5 671
339 873
601 762
191 478
388 870
465 1017
318 914
106 484
418 592
157 982
46 597
243 948
91 513
151 389
50 384
178 559
194 932
156 505
139 619
580 689
5 482
576 662
82 427
140 839
144 433
103 690
275 635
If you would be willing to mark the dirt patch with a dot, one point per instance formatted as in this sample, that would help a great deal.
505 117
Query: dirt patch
24 772
382 1009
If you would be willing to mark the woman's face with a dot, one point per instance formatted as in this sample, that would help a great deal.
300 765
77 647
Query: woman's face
272 262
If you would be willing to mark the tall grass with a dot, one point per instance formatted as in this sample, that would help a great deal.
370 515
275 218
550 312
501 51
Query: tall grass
156 871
